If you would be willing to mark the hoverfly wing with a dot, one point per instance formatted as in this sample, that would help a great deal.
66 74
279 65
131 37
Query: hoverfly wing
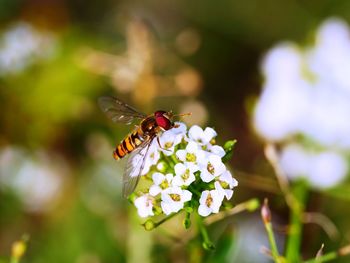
135 165
119 111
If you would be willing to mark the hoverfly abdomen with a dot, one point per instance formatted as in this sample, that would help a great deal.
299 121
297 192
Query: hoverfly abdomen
130 143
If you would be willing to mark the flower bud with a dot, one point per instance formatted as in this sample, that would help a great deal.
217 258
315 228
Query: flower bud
162 166
149 225
266 212
207 245
18 249
189 209
187 222
157 210
252 205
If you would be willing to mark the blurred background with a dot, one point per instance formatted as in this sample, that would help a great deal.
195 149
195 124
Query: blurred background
271 71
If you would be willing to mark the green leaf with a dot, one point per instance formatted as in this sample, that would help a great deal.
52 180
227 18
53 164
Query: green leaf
228 147
224 246
341 191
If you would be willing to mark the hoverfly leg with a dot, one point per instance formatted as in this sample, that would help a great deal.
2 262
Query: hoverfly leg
160 146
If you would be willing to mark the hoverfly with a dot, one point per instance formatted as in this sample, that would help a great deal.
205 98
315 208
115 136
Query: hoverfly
137 143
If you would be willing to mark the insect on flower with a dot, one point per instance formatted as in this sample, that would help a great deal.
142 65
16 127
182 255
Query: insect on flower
137 143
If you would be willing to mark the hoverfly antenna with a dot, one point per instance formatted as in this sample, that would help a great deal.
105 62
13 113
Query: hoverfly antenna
183 114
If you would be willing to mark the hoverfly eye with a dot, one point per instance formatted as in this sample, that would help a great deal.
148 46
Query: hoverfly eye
163 122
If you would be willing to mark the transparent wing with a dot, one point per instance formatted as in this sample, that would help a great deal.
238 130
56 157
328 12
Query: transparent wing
119 111
135 166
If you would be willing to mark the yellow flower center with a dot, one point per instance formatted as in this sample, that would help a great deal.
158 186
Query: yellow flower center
186 174
209 200
210 168
175 197
164 184
191 157
224 184
168 145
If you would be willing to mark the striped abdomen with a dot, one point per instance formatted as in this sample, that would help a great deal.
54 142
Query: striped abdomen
130 143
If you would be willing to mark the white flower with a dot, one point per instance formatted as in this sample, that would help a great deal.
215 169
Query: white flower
192 153
161 182
197 134
144 205
184 174
179 129
322 170
316 78
168 140
21 45
327 169
225 183
173 199
210 202
153 153
216 149
211 168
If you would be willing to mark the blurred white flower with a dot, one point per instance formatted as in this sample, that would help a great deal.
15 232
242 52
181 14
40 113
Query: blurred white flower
144 205
173 199
210 202
161 182
37 179
211 168
307 92
184 174
276 114
22 45
322 169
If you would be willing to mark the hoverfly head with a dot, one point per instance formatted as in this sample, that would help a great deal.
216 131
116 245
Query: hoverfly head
164 119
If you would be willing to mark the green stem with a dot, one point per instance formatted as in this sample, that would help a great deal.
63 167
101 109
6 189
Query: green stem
207 244
324 258
165 219
344 251
150 224
272 241
174 159
169 161
299 191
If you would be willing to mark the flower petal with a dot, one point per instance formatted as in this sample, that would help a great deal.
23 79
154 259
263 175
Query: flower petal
206 176
158 178
203 210
209 134
186 196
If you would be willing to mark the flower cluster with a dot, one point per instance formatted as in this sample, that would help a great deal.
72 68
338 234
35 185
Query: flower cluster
305 103
22 45
185 169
